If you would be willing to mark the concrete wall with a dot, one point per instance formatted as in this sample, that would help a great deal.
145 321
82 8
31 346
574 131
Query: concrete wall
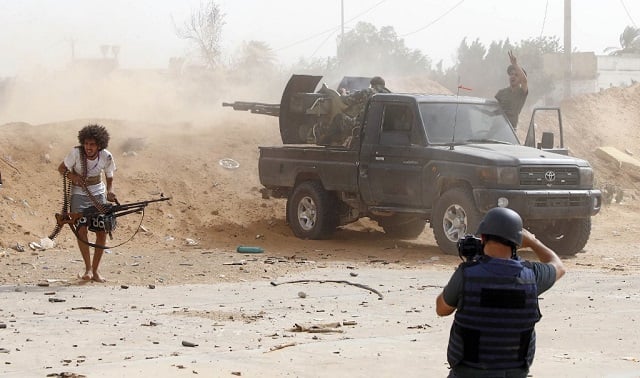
618 71
591 73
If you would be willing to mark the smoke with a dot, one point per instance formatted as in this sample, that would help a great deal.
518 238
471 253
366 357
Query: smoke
190 95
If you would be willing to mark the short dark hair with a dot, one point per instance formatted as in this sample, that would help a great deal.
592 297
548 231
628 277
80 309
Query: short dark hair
377 80
512 68
96 132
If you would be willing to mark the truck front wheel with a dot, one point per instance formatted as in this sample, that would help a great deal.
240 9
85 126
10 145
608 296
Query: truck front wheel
566 236
454 216
311 211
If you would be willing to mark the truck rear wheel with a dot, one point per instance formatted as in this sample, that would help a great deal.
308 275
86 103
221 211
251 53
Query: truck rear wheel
454 216
566 236
402 226
311 211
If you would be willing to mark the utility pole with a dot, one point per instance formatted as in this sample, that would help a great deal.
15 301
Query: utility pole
72 43
341 21
567 48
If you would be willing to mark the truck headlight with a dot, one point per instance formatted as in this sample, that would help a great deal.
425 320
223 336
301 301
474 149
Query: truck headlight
499 175
586 177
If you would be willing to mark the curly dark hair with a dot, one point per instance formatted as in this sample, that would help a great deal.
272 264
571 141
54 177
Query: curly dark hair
96 132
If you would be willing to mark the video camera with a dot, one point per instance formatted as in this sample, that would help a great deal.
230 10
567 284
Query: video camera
470 247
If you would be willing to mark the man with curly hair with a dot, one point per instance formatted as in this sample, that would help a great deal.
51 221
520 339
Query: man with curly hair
83 166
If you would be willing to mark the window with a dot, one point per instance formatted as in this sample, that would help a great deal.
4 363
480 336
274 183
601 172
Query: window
397 124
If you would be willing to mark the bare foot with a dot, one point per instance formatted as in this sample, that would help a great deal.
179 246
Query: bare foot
98 278
87 276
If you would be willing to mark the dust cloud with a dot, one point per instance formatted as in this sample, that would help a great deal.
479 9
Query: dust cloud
136 95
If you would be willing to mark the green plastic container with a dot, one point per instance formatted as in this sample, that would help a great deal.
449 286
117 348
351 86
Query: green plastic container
248 249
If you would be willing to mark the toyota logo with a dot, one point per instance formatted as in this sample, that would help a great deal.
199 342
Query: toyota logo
550 176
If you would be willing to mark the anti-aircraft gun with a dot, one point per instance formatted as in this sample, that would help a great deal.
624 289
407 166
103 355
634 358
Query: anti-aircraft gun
255 107
307 116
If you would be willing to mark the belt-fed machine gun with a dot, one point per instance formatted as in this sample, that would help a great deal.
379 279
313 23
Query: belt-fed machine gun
102 218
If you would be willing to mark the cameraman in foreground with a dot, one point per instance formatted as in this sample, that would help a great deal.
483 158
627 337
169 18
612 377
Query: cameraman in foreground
496 298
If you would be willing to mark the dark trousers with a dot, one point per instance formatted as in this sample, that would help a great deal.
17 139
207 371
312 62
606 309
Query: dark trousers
462 371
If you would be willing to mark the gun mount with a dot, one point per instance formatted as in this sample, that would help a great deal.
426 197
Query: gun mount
309 116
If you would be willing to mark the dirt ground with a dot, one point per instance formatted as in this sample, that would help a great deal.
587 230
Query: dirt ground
192 238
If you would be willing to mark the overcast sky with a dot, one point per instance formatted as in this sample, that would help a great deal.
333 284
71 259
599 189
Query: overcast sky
40 33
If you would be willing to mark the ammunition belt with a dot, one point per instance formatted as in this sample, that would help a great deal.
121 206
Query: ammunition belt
92 180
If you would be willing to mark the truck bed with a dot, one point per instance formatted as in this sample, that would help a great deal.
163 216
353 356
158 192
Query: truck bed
335 166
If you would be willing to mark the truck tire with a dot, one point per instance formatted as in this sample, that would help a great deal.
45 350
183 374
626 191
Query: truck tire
566 236
311 211
402 226
455 215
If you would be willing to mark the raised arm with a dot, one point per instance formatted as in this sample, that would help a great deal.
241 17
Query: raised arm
544 253
522 77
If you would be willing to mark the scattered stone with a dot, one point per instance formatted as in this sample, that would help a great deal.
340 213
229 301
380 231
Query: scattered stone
56 300
302 294
124 286
47 243
190 242
189 344
35 246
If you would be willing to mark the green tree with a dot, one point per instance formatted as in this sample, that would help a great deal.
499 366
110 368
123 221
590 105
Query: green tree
255 65
629 42
484 70
204 29
365 50
255 57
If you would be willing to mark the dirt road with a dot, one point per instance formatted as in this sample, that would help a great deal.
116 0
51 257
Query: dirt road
206 293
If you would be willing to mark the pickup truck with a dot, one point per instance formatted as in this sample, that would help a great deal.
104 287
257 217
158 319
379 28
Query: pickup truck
415 159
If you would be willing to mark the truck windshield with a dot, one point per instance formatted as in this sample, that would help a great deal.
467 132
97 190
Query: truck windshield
472 123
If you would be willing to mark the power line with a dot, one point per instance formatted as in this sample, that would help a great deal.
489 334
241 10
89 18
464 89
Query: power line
628 14
544 20
434 21
322 43
333 29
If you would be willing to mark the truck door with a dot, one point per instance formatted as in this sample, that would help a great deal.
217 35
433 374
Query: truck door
390 164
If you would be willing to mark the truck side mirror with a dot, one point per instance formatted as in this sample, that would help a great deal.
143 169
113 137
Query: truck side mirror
547 140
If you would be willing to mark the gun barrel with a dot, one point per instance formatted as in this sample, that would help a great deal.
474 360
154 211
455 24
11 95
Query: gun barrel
255 107
140 204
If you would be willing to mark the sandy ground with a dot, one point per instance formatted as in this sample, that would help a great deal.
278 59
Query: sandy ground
181 279
254 329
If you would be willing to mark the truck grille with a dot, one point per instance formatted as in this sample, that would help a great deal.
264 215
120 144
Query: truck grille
560 201
549 176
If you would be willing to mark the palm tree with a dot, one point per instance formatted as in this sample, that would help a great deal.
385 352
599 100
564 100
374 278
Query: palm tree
629 41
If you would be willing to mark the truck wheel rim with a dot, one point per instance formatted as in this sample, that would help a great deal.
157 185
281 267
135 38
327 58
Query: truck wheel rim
454 223
307 214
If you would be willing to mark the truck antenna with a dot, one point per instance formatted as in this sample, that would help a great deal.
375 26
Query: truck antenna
455 116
